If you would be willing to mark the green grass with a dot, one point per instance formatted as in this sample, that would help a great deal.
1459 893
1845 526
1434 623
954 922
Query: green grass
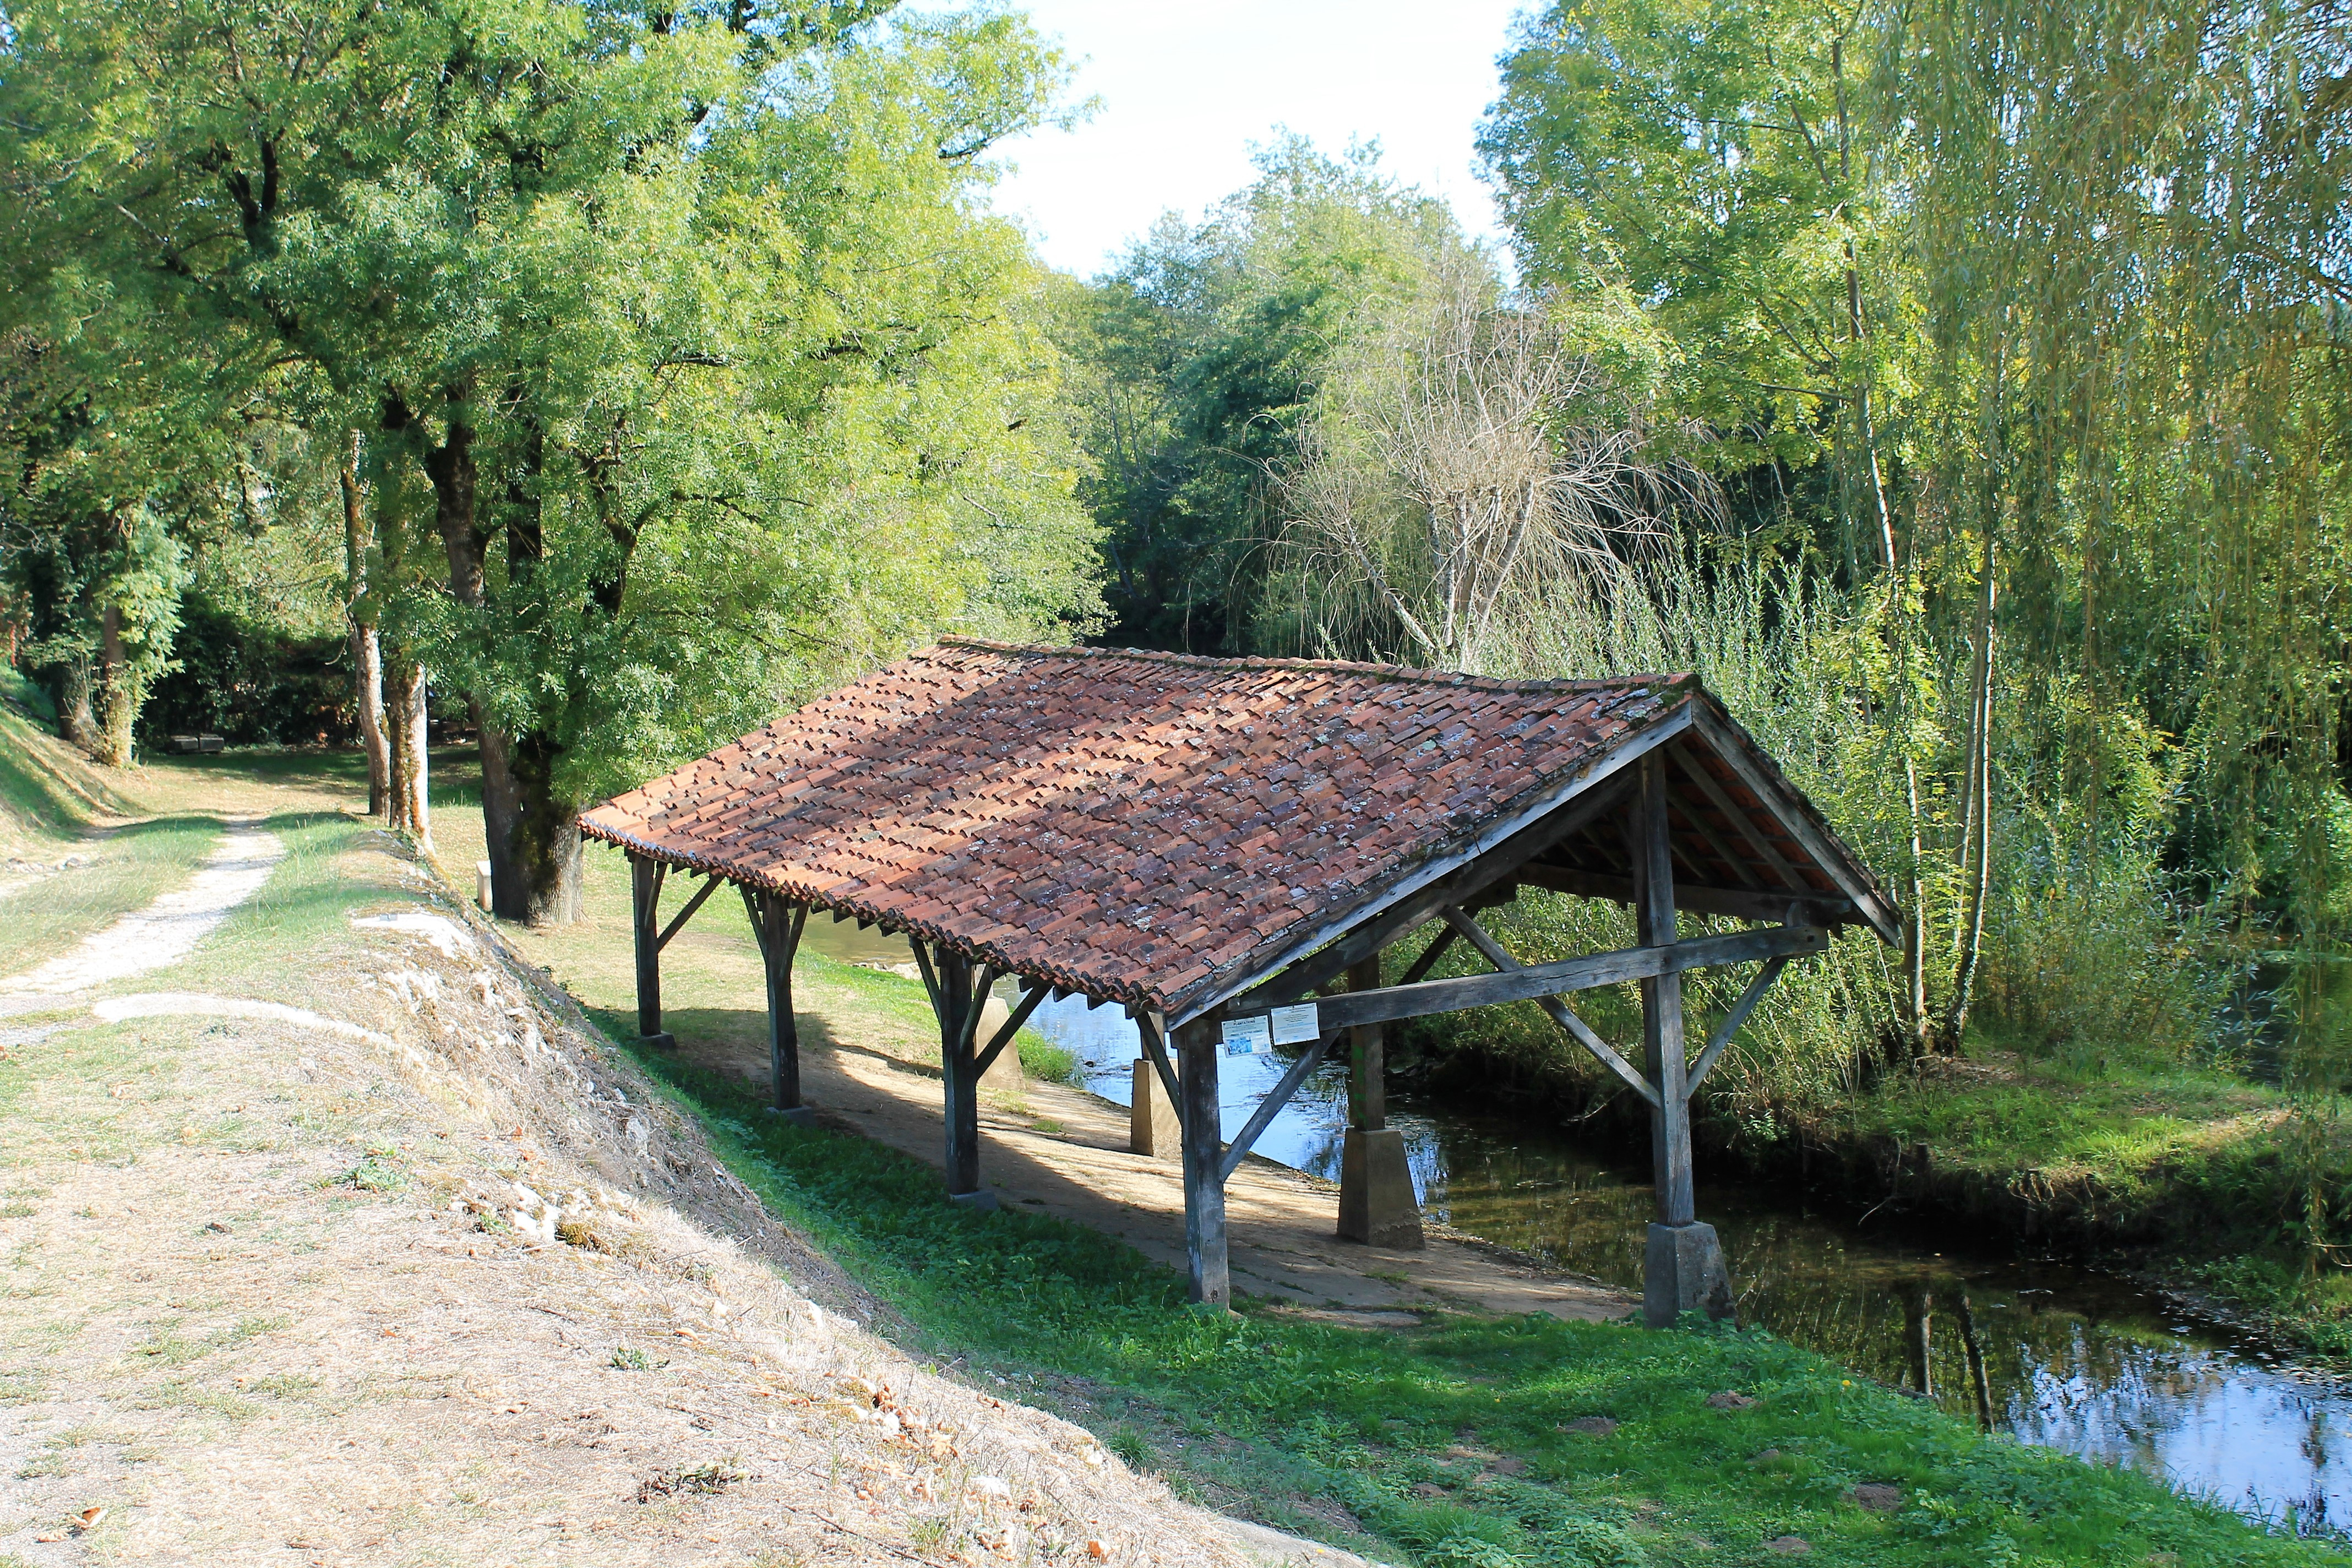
1414 1435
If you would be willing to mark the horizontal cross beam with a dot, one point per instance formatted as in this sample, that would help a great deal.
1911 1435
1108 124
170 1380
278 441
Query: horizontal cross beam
1419 1001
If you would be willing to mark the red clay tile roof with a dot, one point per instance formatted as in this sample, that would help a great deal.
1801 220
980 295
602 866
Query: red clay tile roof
1134 825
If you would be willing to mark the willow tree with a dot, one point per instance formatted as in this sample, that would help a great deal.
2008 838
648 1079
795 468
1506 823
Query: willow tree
1732 168
1467 472
2132 234
684 317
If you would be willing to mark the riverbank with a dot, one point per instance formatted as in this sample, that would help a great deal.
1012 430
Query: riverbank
1466 1439
2193 1177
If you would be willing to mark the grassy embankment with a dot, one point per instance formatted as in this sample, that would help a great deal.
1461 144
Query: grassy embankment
1454 1444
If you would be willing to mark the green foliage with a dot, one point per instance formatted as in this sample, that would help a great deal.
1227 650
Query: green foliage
249 681
686 336
1197 355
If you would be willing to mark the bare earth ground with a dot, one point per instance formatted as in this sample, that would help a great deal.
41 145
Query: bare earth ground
336 1241
1064 1152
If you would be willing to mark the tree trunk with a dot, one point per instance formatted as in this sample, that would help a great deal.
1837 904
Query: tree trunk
408 808
535 834
1980 812
68 681
367 653
118 697
1915 946
532 834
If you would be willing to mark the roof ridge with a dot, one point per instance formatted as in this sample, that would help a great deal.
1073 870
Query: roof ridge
1397 672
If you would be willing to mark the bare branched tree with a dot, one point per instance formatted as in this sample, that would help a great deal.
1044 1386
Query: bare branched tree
1469 470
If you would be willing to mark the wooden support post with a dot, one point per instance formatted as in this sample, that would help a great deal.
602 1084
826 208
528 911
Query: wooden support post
646 877
1662 1045
778 924
959 991
1682 1263
1376 1204
1368 1083
1204 1193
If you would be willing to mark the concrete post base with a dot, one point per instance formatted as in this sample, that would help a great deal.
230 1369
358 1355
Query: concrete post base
1004 1073
984 1200
798 1115
1683 1271
1152 1125
1375 1200
665 1041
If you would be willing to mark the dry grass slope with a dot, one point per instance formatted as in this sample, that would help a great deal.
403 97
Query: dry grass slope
412 1269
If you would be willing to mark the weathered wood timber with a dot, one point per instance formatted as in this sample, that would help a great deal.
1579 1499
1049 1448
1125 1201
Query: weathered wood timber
1559 979
777 926
646 877
1204 1191
1662 1000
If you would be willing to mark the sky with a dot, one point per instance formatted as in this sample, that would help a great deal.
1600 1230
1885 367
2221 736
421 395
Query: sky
1186 88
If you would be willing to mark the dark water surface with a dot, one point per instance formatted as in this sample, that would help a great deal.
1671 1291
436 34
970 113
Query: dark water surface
2071 1359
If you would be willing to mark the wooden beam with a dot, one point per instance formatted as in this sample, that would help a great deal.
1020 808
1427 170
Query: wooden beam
1663 1040
1578 1030
1883 917
1419 1000
710 886
1733 1019
646 877
1204 1188
778 926
1270 1106
1734 902
1466 881
1368 1065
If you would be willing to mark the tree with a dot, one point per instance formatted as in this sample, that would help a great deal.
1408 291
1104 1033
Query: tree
716 383
1467 471
1202 352
1731 165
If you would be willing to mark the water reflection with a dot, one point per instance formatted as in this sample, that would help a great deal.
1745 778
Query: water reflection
2064 1357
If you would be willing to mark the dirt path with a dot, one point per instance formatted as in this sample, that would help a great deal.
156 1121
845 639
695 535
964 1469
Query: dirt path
1063 1151
164 931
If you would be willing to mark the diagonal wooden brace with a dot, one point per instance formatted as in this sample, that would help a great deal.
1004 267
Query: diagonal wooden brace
1717 1041
710 886
1269 1108
1155 1047
1578 1030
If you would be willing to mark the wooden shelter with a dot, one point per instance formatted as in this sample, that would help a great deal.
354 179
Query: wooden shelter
1228 847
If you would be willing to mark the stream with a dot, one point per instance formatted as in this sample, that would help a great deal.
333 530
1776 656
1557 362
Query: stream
2074 1359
